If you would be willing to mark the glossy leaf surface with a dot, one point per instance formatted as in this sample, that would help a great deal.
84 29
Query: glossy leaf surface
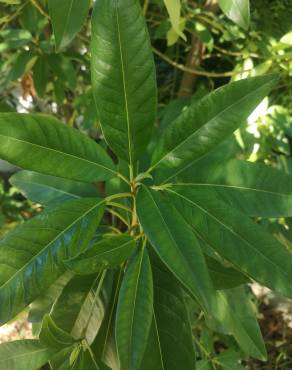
67 18
31 255
237 11
49 190
241 241
110 252
134 311
43 144
175 244
206 123
78 310
123 76
170 344
255 189
23 355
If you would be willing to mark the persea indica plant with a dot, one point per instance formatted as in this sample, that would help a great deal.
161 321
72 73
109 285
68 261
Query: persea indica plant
109 272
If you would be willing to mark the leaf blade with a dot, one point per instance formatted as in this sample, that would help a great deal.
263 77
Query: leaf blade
67 19
134 311
127 117
61 232
41 143
207 123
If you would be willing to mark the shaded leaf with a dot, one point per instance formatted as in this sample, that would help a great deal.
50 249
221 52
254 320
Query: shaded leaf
67 18
110 252
48 190
134 311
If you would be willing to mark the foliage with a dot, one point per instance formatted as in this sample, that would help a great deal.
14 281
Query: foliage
149 233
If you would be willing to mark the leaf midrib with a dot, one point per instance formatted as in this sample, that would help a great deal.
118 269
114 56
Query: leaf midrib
47 245
231 231
124 84
195 133
59 152
233 187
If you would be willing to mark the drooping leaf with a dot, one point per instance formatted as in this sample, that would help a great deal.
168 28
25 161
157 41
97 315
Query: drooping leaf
253 188
54 337
134 311
170 343
80 308
110 252
236 316
237 10
41 143
206 123
67 19
43 304
24 355
123 76
224 277
104 345
176 245
31 255
48 190
40 75
236 238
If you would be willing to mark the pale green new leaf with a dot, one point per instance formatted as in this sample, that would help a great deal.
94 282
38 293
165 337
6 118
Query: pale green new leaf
43 144
48 190
176 245
24 355
206 123
134 311
237 10
123 76
81 307
174 9
236 238
68 17
110 252
31 255
253 188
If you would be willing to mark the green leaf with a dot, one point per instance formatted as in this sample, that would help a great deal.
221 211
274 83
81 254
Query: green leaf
110 252
24 355
123 76
68 17
80 308
237 316
170 343
206 123
237 10
176 245
48 190
253 188
31 255
174 9
41 143
43 304
86 361
224 277
236 238
40 75
54 337
134 311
